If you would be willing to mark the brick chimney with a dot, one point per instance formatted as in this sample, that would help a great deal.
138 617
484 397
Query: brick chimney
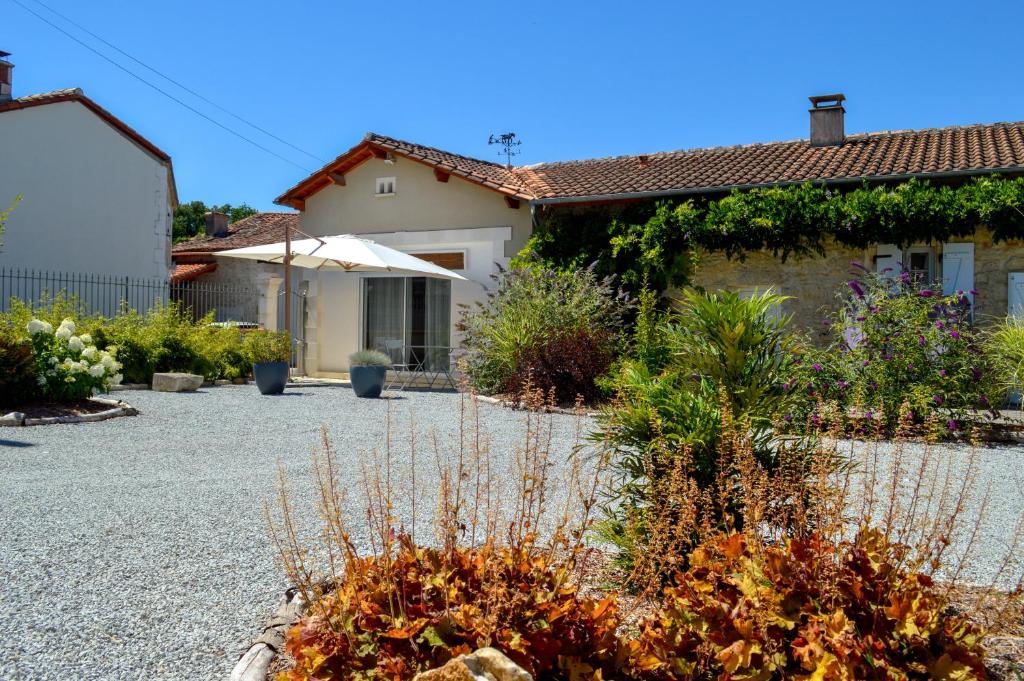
216 224
6 71
827 112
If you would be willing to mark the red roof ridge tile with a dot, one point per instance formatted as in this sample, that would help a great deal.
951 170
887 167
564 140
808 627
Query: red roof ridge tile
377 137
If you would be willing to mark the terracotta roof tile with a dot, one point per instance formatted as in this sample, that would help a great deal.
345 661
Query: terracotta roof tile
978 148
255 230
879 155
189 271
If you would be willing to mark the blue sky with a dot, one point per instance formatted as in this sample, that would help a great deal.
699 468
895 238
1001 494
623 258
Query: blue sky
573 79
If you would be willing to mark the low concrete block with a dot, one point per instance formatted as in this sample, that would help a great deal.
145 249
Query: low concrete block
177 382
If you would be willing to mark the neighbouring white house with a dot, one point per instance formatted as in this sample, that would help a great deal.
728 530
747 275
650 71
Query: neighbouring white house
96 196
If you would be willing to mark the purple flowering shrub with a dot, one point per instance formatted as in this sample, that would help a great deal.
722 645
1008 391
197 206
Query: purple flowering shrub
900 351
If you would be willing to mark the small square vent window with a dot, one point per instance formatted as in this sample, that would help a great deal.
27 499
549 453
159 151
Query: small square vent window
385 186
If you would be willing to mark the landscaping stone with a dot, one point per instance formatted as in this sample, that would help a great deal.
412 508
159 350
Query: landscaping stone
255 662
486 664
15 418
177 382
129 386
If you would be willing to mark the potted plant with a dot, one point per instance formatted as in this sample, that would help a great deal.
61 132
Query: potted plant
367 369
269 352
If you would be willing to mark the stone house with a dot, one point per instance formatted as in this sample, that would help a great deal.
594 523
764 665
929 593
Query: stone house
472 216
592 192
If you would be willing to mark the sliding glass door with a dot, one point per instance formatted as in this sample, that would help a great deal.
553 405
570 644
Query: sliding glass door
409 318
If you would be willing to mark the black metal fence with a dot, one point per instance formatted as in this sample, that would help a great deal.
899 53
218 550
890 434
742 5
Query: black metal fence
110 296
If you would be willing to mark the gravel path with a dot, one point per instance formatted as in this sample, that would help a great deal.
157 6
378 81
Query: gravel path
136 548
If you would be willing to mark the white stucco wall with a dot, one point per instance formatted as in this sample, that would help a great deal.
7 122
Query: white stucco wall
420 203
93 200
424 215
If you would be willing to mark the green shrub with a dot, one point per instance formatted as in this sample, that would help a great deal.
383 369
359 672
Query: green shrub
729 358
537 318
901 353
172 353
68 366
369 358
164 339
135 359
267 346
739 347
1004 346
17 370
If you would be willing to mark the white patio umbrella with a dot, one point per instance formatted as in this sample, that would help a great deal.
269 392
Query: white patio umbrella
347 253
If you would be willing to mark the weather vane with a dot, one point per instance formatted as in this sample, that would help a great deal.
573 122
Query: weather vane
508 144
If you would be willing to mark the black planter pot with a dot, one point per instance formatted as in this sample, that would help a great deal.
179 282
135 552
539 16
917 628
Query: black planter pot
271 377
367 381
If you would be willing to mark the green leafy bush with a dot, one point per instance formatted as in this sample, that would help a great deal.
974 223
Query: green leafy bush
729 360
369 358
658 241
67 366
17 370
1004 346
901 353
267 346
808 608
534 328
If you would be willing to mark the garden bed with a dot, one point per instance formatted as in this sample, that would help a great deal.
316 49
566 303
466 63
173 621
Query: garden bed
75 411
1004 658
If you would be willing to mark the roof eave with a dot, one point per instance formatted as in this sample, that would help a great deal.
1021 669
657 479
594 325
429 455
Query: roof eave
717 189
297 192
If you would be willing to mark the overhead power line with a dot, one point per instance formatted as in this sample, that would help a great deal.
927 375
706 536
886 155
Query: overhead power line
178 83
162 91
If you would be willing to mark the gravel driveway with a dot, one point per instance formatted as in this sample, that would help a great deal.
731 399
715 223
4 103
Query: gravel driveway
136 548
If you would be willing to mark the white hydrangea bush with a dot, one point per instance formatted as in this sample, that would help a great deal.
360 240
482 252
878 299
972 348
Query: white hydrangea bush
70 367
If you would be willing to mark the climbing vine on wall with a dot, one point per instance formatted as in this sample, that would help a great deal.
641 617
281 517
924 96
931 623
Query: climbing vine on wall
660 240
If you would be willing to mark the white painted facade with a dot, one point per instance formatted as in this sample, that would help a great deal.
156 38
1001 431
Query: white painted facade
93 200
422 216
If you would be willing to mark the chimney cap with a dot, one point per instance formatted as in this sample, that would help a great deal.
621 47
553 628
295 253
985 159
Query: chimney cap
4 54
828 100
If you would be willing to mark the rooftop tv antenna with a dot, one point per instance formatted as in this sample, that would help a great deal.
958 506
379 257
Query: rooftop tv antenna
509 145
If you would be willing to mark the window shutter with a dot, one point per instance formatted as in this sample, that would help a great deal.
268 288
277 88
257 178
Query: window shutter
958 269
1015 295
888 257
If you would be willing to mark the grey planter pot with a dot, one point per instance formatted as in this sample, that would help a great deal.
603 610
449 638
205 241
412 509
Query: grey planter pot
367 381
271 377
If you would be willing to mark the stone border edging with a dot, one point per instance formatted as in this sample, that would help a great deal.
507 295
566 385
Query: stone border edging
118 408
254 664
486 399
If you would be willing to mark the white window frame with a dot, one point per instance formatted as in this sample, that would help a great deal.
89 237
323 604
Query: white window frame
383 183
930 252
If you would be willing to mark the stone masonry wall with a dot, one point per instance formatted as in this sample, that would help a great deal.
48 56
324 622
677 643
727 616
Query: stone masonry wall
813 281
992 266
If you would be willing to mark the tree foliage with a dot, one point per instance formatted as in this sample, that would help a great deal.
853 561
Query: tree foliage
189 218
3 217
661 240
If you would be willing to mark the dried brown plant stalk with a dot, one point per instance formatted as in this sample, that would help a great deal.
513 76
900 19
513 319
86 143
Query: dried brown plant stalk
481 501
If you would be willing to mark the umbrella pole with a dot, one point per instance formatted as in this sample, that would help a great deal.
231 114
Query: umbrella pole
288 282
